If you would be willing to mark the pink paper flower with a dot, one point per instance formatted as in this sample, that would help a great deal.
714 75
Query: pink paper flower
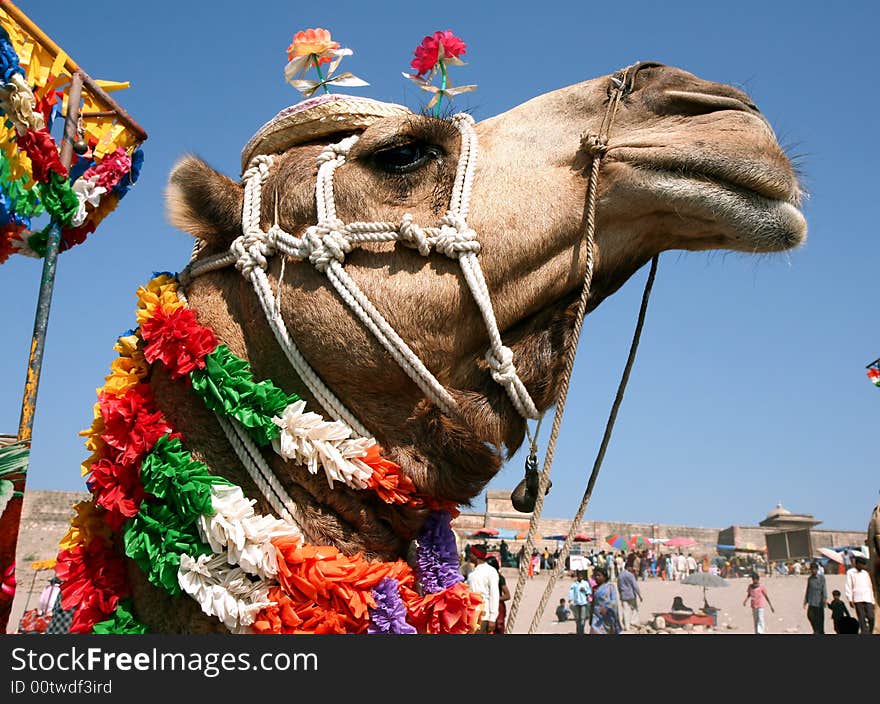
427 54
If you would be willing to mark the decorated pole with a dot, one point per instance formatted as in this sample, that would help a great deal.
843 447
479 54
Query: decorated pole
47 282
77 183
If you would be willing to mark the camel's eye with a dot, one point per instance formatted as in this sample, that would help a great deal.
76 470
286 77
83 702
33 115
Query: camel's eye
405 158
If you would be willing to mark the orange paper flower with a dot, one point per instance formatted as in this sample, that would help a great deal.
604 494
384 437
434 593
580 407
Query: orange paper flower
324 591
455 610
312 41
387 479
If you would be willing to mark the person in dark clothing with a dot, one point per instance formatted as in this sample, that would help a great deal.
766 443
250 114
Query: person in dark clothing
678 606
839 612
815 598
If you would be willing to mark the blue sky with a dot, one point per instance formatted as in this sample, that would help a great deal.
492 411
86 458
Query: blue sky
750 385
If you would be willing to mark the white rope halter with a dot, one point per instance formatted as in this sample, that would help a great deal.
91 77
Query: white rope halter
325 245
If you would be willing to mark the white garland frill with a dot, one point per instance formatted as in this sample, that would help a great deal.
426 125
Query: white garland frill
244 536
86 192
308 439
223 591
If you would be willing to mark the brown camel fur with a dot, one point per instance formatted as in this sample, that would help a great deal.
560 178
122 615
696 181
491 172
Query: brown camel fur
692 165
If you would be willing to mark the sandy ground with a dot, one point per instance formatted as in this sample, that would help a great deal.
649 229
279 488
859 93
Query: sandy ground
786 594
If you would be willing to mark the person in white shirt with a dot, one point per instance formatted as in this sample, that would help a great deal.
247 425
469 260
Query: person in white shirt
681 565
860 594
691 564
483 580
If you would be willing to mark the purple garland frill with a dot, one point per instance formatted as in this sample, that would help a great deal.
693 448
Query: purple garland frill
389 615
437 555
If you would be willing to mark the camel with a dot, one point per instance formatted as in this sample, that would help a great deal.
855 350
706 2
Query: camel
690 165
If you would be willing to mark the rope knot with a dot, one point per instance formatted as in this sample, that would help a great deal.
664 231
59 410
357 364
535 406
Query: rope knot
251 251
501 364
334 151
414 235
596 145
455 237
323 244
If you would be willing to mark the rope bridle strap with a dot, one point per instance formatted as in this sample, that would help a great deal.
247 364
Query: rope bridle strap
326 244
597 146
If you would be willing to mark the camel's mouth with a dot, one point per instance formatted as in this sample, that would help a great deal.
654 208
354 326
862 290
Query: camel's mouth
720 198
724 205
353 520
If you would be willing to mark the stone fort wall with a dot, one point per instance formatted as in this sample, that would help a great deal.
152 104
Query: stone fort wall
500 514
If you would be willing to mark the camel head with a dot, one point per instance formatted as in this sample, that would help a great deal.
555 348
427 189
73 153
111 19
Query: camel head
690 165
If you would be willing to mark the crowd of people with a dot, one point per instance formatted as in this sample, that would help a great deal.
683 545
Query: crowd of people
604 594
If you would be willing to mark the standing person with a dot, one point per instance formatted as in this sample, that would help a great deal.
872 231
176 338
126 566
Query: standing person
860 593
670 567
605 619
483 580
579 594
536 563
759 599
839 611
629 592
691 564
815 598
681 565
503 597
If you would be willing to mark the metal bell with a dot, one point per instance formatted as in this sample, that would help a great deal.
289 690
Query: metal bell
80 146
525 494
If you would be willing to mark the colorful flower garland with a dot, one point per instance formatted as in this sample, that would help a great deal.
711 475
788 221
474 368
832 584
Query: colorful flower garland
32 178
194 532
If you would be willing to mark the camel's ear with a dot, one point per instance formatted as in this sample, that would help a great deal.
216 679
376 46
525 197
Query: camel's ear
203 202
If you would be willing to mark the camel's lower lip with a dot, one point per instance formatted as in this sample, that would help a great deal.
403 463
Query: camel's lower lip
750 221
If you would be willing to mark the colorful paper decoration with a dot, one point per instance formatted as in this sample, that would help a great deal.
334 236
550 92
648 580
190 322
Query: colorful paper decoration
32 179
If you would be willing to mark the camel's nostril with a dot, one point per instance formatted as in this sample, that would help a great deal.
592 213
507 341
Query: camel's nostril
698 103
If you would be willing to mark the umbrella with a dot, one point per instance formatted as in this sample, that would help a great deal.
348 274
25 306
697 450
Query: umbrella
832 554
705 580
680 542
578 537
618 542
638 541
484 532
523 533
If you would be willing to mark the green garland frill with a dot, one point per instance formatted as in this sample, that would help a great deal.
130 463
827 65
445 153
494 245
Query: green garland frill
122 622
59 198
226 385
163 530
23 201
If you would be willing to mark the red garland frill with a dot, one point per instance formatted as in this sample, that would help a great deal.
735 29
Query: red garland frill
41 150
117 489
132 425
111 170
93 580
8 232
177 340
